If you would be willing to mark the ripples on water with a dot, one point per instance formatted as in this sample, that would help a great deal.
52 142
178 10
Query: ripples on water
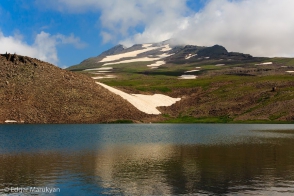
149 159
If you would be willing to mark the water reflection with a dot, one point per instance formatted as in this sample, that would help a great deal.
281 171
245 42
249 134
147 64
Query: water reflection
150 169
208 159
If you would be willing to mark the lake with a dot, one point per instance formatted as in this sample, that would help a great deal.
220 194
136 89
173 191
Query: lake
147 159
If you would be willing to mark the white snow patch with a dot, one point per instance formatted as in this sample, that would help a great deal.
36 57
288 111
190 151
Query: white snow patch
146 45
127 54
164 55
290 71
198 67
190 56
106 76
143 59
266 63
10 121
97 69
144 103
166 48
156 64
103 71
192 71
188 77
207 57
219 65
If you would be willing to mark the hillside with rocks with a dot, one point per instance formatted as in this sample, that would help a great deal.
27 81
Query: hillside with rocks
32 91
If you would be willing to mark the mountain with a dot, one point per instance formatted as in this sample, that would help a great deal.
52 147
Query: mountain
32 91
163 51
157 82
212 83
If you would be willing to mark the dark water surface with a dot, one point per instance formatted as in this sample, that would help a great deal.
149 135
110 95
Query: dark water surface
155 159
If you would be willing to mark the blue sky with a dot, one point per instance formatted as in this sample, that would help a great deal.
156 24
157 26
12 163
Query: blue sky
65 32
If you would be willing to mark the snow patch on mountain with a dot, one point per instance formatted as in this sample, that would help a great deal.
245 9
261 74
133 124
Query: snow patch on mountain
187 77
194 70
156 64
266 63
99 69
146 45
190 56
145 103
166 48
143 59
133 54
127 54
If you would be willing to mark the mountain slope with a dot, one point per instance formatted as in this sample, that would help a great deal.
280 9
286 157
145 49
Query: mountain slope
214 85
32 91
162 51
137 53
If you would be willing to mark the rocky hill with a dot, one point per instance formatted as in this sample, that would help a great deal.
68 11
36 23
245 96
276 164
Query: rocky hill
32 91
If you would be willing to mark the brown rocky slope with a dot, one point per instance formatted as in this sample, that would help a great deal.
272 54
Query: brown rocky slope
32 91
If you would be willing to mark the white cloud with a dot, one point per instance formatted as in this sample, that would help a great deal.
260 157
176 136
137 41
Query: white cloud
13 44
258 27
107 37
44 46
122 18
70 40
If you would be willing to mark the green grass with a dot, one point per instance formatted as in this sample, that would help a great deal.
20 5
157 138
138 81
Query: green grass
214 85
284 61
121 122
191 119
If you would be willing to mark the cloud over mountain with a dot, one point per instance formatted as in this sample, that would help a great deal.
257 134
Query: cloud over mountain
123 19
259 27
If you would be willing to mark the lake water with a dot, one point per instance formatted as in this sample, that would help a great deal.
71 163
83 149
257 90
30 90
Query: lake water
155 159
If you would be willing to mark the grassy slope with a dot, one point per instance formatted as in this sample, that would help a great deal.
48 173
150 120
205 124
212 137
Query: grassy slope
237 92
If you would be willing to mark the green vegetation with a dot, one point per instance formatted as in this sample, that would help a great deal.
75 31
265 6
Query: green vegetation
120 122
237 92
191 119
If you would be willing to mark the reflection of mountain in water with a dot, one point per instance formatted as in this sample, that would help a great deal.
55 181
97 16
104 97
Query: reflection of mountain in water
161 168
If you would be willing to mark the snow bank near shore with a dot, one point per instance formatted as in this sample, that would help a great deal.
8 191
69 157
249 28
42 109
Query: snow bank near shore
144 103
